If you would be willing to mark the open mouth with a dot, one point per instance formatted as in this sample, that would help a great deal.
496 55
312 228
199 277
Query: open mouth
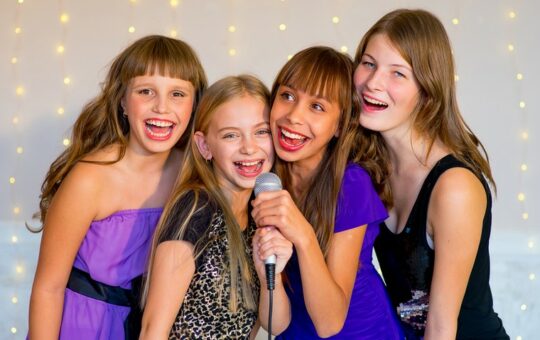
373 104
249 168
291 140
159 129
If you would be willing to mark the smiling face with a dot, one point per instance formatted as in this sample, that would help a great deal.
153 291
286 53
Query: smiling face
238 142
158 109
387 87
303 125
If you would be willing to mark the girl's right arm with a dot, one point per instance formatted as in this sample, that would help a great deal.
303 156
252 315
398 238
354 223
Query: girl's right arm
68 218
171 275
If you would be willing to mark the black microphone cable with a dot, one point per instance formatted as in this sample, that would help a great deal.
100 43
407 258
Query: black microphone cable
270 270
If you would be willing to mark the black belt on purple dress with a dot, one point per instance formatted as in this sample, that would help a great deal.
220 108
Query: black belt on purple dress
81 282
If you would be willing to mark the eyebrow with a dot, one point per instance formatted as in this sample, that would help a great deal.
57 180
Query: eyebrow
407 67
318 96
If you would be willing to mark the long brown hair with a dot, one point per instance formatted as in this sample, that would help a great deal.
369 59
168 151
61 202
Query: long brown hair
197 178
325 72
102 123
422 41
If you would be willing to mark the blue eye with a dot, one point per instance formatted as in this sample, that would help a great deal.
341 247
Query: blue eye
368 64
399 74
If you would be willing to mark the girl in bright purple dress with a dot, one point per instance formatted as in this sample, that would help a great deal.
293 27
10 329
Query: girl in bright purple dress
102 198
329 209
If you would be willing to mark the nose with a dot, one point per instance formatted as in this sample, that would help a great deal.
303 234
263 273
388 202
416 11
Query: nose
161 104
294 116
248 146
375 81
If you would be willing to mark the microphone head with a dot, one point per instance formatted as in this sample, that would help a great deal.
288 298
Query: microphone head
267 181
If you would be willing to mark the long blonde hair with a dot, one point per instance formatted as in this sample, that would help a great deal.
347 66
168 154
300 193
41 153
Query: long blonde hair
422 41
197 178
326 72
102 123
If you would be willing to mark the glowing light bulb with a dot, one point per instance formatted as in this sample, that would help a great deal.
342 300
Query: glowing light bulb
282 27
174 3
522 104
174 33
525 216
19 269
455 21
289 57
64 18
232 28
530 244
60 110
523 167
60 49
335 20
232 52
16 210
12 180
66 142
18 30
133 1
523 307
14 299
67 80
532 276
456 78
525 135
512 14
14 330
15 120
14 60
519 76
521 197
20 1
344 49
510 47
19 90
519 337
131 29
14 239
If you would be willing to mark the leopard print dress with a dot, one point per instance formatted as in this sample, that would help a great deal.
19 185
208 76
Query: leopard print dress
204 313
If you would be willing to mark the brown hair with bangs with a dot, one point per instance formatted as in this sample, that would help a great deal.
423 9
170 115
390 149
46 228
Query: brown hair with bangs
102 123
323 71
422 41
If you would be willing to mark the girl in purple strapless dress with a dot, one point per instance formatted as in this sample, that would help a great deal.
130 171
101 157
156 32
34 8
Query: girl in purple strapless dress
102 198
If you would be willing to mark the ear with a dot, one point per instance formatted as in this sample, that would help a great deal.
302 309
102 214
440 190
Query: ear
338 131
123 105
200 141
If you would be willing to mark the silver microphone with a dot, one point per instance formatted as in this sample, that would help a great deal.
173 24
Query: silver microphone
267 181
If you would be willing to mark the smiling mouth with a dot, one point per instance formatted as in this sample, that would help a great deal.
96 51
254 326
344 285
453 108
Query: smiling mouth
291 138
249 168
159 128
374 104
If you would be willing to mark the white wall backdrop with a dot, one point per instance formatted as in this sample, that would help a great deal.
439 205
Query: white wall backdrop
54 53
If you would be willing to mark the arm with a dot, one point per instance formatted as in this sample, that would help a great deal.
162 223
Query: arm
455 216
72 209
327 283
171 275
268 241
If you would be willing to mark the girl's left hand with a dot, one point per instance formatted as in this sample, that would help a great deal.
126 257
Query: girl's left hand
277 208
269 241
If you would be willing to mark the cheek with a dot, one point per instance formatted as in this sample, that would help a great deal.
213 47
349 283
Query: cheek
359 78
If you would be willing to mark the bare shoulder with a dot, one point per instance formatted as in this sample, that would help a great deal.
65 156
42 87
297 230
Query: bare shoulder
457 185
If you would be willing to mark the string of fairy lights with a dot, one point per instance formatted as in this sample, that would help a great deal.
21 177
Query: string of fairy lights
234 29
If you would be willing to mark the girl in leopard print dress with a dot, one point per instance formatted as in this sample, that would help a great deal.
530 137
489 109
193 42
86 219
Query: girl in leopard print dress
202 282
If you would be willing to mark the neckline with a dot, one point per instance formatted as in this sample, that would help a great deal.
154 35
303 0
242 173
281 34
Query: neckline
124 212
420 192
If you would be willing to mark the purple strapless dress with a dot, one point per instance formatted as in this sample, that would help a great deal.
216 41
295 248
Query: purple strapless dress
114 251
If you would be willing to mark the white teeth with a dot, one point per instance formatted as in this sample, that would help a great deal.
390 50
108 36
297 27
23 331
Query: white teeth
156 134
249 163
375 102
291 135
159 123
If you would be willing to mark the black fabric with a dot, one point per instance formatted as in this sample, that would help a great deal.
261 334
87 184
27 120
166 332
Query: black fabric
407 264
81 282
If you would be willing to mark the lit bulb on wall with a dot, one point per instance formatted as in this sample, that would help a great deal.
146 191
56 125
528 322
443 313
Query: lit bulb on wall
282 27
455 21
335 20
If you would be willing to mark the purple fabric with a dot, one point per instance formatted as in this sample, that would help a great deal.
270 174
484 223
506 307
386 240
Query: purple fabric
114 251
370 315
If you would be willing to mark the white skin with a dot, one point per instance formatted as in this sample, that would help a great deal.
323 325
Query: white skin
458 201
302 126
141 179
239 144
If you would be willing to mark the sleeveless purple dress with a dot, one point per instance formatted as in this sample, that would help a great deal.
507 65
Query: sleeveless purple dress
371 315
114 251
